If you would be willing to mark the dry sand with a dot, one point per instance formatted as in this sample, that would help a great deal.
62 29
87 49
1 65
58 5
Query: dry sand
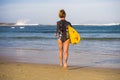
25 71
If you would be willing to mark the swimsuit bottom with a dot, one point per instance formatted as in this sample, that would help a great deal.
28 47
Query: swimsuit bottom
63 38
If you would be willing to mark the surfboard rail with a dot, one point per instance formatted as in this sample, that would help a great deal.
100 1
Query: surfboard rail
74 35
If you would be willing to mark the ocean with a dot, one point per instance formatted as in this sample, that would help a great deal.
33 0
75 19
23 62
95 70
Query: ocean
99 45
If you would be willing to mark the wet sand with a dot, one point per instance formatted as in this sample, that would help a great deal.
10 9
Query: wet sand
50 56
32 71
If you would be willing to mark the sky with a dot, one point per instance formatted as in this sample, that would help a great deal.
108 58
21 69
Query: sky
46 11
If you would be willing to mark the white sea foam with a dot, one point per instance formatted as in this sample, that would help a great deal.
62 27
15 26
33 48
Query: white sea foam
21 27
12 27
22 22
109 24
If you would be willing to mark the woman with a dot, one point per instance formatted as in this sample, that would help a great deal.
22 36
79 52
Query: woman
63 38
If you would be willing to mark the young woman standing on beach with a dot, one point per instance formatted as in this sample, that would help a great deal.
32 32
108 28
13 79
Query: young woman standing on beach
63 38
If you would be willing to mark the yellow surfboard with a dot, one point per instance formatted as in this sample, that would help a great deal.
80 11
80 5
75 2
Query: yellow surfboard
74 35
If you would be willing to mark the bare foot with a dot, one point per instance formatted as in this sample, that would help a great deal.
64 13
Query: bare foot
61 65
65 65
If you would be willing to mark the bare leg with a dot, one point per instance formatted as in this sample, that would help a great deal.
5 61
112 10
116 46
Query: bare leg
66 47
60 45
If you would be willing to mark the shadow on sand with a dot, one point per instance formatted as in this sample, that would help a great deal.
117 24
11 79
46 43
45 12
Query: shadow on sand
76 67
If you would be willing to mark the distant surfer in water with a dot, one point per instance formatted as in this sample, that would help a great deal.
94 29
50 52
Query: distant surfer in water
63 38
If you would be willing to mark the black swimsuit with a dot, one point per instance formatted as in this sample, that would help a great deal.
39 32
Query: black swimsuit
62 30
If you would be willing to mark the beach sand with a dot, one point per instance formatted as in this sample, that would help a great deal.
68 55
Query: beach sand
32 71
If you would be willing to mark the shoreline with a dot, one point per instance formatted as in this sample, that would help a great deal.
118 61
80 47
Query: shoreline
33 71
76 58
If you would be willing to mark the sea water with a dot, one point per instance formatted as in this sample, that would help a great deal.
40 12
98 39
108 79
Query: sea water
99 45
